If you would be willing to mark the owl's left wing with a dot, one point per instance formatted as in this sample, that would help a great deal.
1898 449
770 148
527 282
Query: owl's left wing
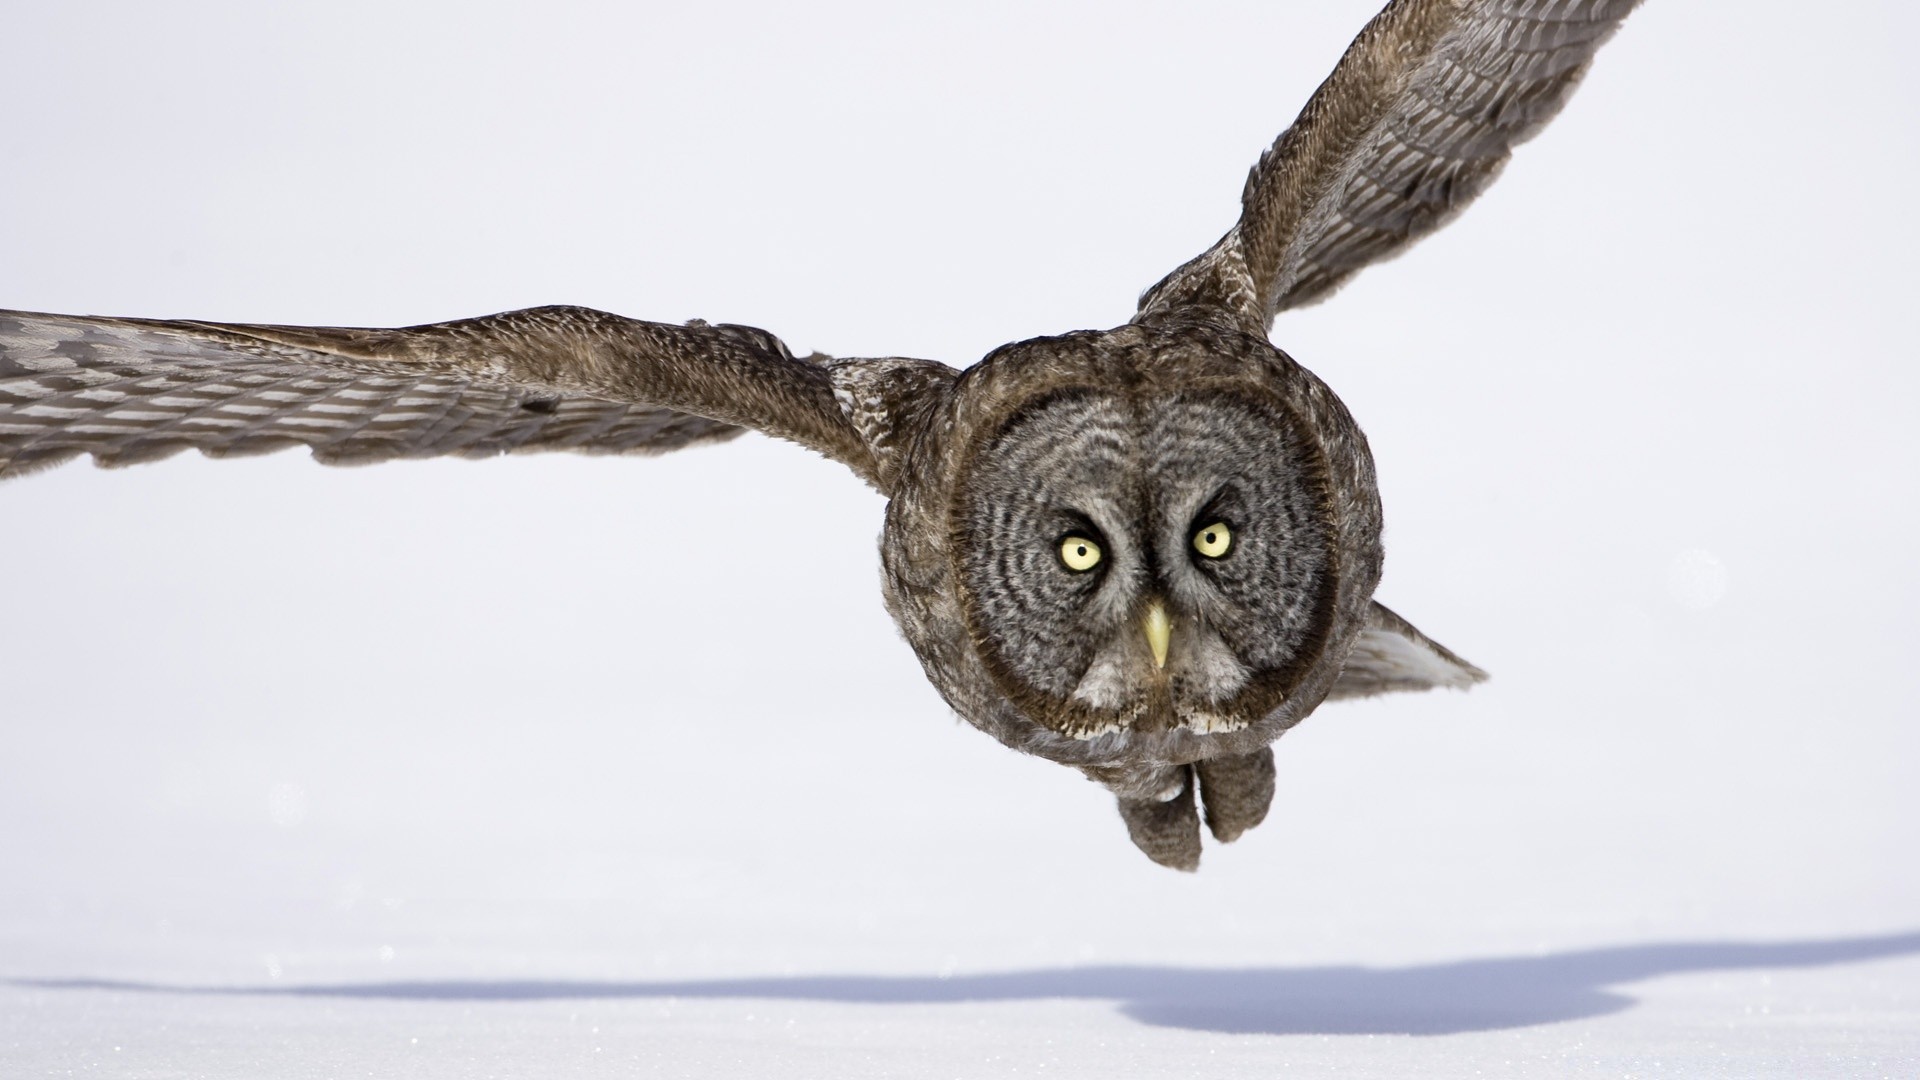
554 378
1392 655
1415 121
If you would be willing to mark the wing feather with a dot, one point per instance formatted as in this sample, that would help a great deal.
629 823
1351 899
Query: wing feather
1415 122
1391 655
129 390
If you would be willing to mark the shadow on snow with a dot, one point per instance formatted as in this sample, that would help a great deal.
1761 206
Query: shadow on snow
1426 999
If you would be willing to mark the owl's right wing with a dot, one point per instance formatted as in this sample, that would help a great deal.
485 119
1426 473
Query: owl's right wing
1414 123
554 378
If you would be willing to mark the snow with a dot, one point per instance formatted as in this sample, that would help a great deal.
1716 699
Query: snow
554 767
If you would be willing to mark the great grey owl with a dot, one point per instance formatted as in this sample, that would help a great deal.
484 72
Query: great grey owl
1142 552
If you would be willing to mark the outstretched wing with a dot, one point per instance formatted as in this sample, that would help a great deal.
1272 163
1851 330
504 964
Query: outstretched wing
1415 121
555 378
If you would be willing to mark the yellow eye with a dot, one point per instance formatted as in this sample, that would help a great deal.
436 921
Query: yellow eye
1079 553
1214 540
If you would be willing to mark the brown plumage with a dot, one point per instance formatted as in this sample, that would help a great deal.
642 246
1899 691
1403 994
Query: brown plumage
1144 552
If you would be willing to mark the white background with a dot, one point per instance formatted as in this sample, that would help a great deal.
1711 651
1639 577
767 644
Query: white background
546 766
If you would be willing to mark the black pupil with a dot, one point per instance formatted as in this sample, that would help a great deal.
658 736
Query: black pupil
1081 551
1209 538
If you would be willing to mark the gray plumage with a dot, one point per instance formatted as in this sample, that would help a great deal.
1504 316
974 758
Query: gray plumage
1143 552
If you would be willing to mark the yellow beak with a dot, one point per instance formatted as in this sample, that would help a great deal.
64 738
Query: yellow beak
1159 630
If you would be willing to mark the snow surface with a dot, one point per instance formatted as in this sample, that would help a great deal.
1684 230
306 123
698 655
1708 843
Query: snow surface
547 767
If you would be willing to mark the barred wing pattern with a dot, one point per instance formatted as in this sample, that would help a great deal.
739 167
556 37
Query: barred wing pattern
128 390
1416 121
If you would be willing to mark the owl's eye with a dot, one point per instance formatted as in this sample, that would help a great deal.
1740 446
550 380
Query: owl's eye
1214 540
1079 553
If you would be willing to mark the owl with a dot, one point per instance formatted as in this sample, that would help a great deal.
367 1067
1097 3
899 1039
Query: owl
1143 552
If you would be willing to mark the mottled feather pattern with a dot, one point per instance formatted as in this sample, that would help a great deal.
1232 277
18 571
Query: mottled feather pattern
1414 123
128 391
1490 85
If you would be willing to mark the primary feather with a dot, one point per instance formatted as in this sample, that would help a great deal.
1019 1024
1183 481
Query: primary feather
133 390
1413 124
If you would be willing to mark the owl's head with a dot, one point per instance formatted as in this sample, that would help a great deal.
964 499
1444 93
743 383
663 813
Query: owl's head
1147 535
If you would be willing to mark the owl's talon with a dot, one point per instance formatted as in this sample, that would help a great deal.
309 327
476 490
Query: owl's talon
1167 831
1237 792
